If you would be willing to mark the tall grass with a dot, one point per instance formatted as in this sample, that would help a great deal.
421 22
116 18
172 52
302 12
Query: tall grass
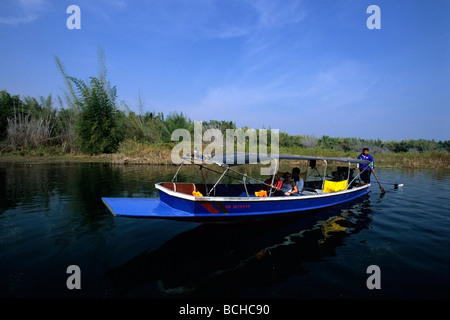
89 120
32 124
148 127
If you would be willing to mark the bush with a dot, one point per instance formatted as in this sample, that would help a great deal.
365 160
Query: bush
309 141
8 104
32 124
97 126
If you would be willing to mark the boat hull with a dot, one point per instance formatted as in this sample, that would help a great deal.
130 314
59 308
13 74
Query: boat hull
176 206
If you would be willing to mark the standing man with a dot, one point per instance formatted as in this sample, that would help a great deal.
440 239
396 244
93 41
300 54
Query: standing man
366 169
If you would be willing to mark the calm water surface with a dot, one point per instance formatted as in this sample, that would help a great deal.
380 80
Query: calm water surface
52 216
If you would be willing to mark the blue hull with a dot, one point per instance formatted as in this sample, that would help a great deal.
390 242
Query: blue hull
224 209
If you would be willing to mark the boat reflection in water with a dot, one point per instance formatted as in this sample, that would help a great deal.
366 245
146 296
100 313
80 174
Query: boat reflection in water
239 260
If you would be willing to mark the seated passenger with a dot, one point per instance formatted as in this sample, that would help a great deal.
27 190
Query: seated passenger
289 186
274 188
298 180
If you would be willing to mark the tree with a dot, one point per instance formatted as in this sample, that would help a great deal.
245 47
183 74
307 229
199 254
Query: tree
177 120
97 128
8 104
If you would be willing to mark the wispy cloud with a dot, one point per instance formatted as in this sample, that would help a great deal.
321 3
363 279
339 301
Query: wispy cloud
117 3
22 11
273 14
260 16
222 19
329 91
340 86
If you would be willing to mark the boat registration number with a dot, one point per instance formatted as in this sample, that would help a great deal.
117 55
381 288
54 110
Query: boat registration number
238 206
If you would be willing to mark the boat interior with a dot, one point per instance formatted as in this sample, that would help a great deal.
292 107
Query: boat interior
232 189
315 182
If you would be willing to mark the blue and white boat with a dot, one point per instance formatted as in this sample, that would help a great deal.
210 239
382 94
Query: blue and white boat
237 202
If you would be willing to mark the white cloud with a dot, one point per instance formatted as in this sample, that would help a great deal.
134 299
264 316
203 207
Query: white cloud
341 85
275 14
278 102
222 19
117 3
22 11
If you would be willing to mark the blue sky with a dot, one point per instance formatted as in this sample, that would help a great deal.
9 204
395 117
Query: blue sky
304 67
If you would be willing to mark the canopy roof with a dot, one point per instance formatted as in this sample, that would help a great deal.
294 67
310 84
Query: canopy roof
297 157
238 158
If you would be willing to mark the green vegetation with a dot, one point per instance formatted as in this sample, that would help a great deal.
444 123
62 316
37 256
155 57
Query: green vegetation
88 121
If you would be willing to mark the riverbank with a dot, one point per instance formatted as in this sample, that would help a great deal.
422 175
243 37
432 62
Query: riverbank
161 155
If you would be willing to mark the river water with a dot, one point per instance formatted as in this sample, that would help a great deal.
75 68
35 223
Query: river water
52 217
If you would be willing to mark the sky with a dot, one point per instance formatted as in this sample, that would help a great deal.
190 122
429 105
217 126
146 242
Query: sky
303 67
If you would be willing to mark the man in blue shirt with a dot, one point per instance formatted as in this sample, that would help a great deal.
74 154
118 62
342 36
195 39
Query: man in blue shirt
366 169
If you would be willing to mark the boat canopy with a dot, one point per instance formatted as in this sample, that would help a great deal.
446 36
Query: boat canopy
296 157
228 160
239 158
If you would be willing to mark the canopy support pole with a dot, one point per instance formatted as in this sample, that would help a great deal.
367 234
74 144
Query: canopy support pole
217 182
348 176
175 177
245 185
204 181
324 173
